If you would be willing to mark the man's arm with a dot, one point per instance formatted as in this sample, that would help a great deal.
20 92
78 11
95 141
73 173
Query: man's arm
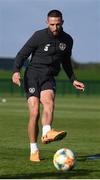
67 66
29 47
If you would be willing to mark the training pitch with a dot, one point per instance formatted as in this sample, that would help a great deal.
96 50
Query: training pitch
78 115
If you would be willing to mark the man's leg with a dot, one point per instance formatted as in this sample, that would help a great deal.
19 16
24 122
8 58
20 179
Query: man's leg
47 99
33 106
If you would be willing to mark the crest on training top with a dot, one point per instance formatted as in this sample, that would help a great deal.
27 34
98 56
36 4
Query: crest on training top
62 46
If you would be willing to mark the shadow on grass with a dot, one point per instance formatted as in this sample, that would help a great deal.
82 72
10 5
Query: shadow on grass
47 175
88 157
11 154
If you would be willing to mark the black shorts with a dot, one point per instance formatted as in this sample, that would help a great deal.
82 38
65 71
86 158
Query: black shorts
35 82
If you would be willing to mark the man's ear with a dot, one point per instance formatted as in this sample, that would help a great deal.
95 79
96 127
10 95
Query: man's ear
62 21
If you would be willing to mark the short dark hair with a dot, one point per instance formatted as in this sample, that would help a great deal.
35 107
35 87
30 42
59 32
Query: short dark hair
54 13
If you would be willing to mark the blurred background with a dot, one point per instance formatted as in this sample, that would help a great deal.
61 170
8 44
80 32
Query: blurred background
19 19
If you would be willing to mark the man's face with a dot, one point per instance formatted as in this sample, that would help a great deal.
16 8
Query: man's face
54 24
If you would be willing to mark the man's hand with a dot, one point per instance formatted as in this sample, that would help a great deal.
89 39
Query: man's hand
16 78
78 85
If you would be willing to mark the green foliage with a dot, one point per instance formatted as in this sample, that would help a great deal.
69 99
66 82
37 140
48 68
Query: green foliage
79 116
82 72
5 74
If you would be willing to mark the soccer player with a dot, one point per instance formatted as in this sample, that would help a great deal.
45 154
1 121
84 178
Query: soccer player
50 48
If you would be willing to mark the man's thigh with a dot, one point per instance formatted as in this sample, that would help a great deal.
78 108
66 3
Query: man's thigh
33 104
47 97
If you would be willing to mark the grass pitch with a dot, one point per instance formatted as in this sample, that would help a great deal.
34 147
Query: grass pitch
79 116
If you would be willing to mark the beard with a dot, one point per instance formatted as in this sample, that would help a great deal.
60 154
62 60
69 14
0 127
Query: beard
55 33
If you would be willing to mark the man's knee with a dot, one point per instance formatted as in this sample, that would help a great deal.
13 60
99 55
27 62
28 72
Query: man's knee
48 106
34 114
33 104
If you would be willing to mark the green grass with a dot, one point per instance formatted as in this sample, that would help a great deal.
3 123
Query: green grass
79 116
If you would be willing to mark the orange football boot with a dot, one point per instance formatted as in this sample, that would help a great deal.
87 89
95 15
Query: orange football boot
35 157
53 135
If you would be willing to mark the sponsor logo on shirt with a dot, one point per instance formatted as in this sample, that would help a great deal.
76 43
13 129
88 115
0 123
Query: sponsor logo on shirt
46 47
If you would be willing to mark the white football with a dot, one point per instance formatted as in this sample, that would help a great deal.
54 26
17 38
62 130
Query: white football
64 159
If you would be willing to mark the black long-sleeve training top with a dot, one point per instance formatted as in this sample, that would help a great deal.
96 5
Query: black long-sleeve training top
48 53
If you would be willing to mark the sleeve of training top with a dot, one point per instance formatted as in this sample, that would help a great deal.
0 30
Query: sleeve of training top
66 63
67 66
29 47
